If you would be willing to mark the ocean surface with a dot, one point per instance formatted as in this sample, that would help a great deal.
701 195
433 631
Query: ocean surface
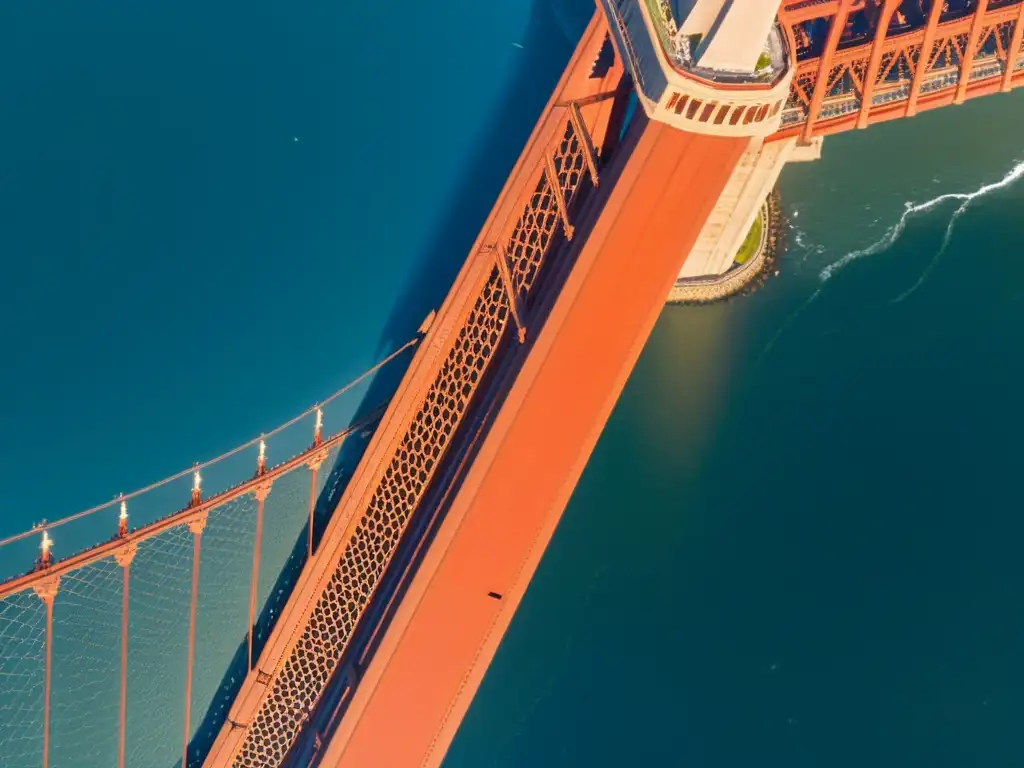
796 543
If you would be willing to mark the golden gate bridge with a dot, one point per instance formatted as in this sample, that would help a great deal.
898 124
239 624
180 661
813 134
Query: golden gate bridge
300 612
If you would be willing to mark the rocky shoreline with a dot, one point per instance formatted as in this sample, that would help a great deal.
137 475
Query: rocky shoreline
746 278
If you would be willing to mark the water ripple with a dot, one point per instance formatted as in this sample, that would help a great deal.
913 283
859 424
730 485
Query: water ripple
913 210
889 238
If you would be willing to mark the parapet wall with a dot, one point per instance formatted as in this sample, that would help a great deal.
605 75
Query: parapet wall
710 103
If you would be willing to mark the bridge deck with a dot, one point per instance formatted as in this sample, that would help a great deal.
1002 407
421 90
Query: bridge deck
438 647
407 456
601 293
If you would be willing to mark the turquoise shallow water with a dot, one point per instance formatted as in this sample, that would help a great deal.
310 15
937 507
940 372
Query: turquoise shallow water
796 541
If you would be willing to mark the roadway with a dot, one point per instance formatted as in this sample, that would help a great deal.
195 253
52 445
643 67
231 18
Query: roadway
437 649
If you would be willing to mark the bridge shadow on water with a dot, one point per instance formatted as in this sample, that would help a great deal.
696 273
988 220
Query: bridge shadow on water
550 36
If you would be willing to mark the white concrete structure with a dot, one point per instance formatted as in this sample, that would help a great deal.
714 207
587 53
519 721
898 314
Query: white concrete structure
744 194
748 106
698 16
737 35
716 91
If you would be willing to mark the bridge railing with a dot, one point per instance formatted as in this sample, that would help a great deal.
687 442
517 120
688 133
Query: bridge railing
129 651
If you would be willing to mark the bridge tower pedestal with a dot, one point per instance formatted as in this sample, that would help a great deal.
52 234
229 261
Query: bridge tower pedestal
735 84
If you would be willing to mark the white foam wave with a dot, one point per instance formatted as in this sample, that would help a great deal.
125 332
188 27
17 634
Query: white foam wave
886 241
1015 174
913 210
938 254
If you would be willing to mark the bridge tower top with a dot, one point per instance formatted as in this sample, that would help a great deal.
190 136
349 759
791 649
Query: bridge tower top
706 66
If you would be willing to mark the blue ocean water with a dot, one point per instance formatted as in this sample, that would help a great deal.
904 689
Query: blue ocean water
214 216
795 543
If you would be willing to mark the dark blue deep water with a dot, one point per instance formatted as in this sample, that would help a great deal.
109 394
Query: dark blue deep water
797 541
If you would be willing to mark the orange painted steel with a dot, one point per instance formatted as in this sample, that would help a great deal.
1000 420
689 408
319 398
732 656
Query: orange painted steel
448 627
924 56
196 527
182 517
916 51
912 39
688 74
799 12
1014 51
48 681
334 591
312 509
897 110
596 316
262 492
498 280
223 496
121 731
972 48
877 49
824 78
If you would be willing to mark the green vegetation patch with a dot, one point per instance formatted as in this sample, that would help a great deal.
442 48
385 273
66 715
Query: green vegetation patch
751 241
657 13
764 61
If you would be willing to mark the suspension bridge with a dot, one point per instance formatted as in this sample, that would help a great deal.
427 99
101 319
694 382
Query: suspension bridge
340 607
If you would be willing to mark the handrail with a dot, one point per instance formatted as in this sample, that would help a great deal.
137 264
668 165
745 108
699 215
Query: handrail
197 467
82 558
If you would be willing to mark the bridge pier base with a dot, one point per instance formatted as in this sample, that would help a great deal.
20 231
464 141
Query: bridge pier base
751 182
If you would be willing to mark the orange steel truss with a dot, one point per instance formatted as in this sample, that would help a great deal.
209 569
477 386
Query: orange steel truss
897 68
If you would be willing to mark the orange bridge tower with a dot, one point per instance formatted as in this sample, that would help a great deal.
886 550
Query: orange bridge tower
719 69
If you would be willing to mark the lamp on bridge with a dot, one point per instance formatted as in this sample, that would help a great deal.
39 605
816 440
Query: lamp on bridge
197 494
122 520
318 428
45 552
261 460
